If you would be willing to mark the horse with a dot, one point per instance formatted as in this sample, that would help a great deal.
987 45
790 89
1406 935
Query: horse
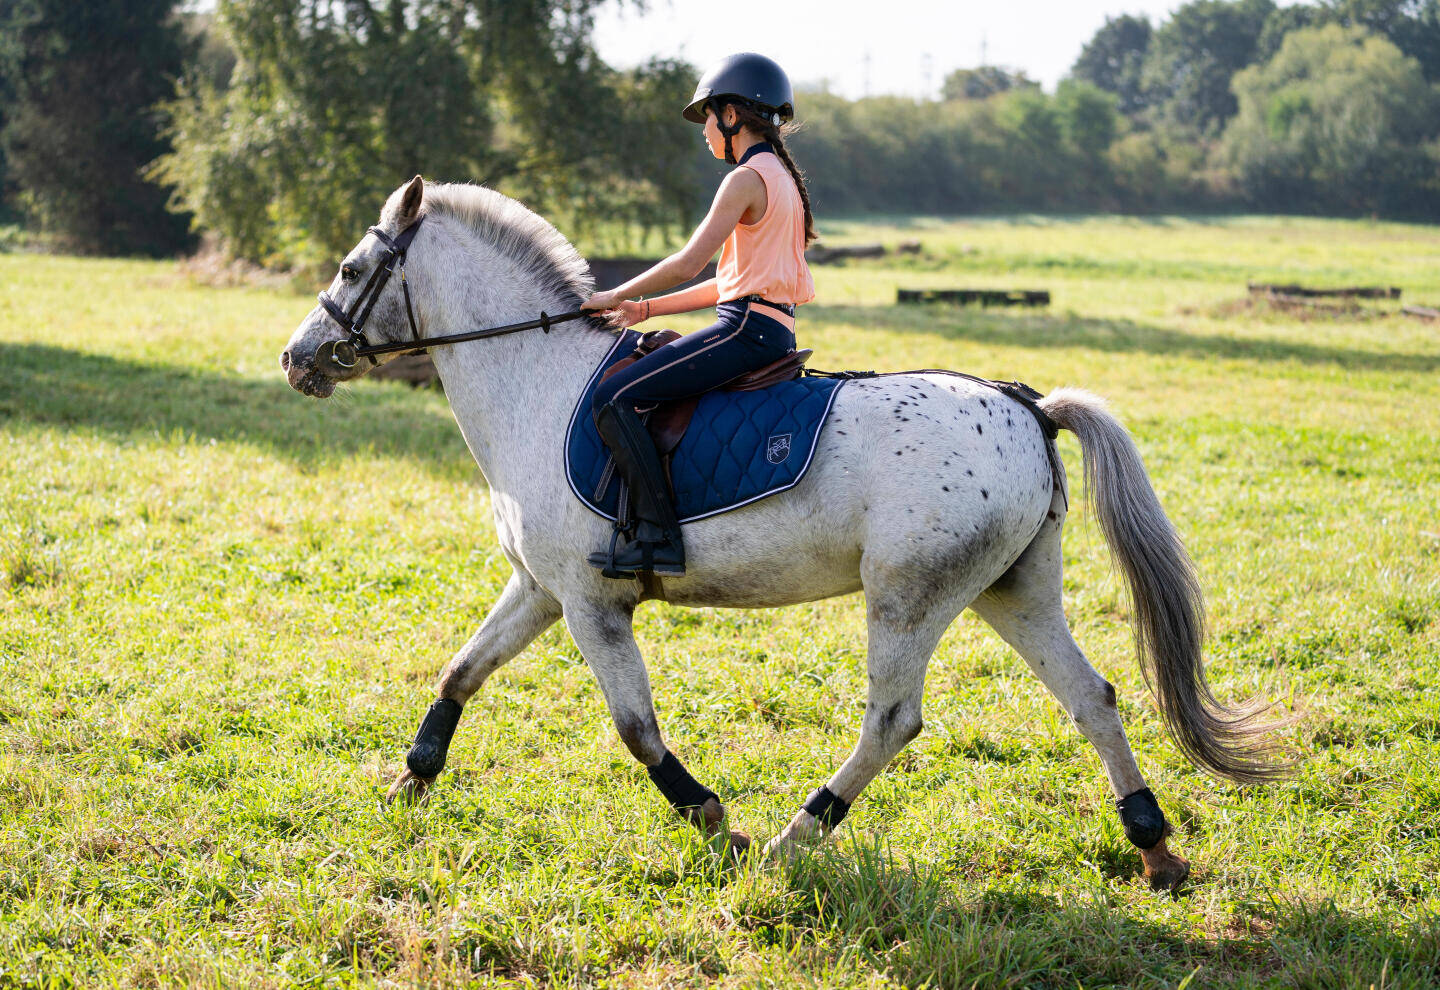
928 492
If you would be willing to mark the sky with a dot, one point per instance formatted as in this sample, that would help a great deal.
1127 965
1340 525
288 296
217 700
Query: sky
867 47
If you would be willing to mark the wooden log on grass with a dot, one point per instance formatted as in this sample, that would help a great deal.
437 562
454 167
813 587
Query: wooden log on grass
975 297
1301 291
819 254
417 369
1421 312
1307 302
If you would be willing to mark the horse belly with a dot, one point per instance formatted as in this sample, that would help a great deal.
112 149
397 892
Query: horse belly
801 545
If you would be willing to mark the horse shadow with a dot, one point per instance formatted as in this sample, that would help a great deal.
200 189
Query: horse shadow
49 386
1050 330
918 926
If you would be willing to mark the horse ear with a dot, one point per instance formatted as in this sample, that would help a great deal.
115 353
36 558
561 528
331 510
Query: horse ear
410 202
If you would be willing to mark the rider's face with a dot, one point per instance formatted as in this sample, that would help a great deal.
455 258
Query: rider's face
714 140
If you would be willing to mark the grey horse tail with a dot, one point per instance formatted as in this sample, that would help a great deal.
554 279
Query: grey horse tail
1168 605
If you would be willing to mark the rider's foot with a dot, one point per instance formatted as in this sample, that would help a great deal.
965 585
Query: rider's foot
653 549
665 557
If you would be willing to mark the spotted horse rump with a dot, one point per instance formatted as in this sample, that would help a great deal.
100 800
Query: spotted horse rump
740 447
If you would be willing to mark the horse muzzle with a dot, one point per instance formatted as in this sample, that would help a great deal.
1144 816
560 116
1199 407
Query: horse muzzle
309 375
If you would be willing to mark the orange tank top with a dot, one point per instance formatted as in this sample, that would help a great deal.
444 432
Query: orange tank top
767 258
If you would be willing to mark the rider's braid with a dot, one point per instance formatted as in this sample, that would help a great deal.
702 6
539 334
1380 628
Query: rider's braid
767 130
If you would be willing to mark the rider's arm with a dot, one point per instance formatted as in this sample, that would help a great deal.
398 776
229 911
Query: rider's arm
742 190
701 296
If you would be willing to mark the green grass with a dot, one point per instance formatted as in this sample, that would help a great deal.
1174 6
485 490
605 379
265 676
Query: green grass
216 642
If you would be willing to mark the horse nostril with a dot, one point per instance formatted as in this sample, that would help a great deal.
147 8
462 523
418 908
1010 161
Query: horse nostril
285 361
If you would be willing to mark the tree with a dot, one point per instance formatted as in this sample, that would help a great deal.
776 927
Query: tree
984 82
332 104
1194 54
81 124
1282 21
1337 120
213 59
1114 58
1411 25
1088 119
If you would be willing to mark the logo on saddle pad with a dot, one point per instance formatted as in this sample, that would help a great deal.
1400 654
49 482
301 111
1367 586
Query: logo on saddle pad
777 448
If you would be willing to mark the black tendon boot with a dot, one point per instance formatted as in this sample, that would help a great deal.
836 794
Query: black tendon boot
658 546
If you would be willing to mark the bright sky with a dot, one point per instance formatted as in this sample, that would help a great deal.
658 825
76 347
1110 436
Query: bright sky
901 47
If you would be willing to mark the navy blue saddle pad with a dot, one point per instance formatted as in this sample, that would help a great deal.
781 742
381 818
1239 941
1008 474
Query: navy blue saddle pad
740 447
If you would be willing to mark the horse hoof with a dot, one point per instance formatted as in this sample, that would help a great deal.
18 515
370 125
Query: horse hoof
739 846
1164 869
803 830
785 848
409 789
777 849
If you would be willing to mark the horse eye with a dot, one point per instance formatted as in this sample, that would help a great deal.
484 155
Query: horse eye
348 274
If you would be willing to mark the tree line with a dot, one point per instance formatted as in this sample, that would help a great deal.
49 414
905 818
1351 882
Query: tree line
278 126
1229 104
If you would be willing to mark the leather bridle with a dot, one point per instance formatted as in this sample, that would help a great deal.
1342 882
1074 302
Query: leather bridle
344 355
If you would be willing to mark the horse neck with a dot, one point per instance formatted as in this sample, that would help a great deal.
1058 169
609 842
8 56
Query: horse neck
512 396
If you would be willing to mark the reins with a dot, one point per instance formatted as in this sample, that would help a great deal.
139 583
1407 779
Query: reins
345 354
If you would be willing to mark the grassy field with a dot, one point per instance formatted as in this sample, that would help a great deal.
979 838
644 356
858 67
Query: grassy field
215 644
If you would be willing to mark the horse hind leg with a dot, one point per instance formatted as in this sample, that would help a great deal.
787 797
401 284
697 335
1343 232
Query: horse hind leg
1025 607
902 634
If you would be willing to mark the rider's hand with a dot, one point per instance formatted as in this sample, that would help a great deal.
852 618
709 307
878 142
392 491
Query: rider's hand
627 313
620 312
601 301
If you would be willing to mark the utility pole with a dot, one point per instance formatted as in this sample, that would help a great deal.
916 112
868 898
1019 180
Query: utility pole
926 67
866 63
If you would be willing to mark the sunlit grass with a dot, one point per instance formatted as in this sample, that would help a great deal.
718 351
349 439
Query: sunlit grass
216 641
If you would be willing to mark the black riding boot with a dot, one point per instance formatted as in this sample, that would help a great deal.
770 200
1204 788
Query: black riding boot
658 546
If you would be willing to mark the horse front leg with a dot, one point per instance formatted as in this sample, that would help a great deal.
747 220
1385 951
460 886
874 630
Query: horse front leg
523 611
606 639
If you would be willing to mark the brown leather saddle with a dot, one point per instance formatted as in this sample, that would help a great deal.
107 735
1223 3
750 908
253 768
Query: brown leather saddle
669 420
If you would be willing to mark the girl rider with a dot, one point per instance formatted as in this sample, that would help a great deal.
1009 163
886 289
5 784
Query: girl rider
761 216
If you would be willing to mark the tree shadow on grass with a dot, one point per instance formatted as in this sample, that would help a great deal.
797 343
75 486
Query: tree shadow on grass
1044 330
910 924
53 386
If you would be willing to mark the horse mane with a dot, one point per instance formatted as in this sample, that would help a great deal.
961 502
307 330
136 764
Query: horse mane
527 238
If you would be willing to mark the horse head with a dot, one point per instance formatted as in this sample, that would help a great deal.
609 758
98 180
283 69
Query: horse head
360 304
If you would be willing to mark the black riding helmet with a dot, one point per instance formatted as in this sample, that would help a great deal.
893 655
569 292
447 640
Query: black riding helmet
747 79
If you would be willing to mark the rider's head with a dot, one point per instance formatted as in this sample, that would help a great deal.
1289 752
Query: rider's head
737 84
748 92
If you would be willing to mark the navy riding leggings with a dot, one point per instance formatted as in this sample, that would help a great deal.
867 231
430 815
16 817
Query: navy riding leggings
742 339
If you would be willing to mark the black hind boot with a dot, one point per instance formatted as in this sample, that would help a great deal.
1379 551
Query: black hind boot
658 546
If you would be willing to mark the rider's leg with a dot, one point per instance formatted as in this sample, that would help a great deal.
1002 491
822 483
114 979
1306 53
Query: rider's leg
739 342
658 545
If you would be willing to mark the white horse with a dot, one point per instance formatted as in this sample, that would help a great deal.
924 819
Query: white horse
930 493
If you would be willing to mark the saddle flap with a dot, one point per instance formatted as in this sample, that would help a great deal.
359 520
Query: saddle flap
668 423
786 369
650 340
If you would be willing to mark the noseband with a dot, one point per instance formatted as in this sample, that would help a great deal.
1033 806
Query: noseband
343 355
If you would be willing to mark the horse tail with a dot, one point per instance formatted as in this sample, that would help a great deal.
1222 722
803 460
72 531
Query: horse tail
1168 605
